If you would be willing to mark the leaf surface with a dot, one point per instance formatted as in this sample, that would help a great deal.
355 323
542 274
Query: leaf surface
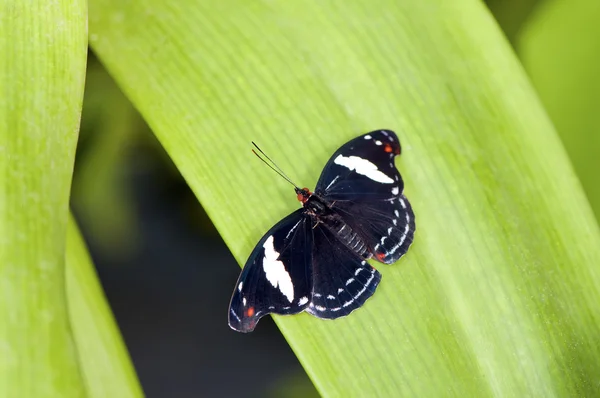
499 294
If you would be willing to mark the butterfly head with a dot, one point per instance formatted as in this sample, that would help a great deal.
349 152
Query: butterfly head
302 194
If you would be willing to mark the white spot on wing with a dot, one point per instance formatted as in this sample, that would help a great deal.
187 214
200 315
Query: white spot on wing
244 301
402 203
292 230
363 167
240 286
275 271
235 315
368 137
319 308
303 300
378 142
406 229
349 281
331 183
340 290
363 289
395 191
331 297
390 230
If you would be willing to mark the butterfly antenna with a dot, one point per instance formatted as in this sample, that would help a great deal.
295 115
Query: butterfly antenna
272 165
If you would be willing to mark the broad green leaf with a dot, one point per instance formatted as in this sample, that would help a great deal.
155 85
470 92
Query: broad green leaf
560 48
43 48
103 358
499 294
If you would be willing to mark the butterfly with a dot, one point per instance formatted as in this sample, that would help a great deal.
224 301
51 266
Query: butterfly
315 259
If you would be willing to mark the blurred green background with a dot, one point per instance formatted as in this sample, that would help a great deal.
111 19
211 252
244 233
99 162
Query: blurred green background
146 231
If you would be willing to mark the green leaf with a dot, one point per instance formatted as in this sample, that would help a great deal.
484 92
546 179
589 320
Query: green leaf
512 14
43 48
100 196
499 294
103 358
559 47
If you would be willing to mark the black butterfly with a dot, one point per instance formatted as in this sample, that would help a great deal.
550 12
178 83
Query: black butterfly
314 260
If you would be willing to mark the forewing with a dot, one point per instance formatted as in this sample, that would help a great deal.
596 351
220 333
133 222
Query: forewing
365 188
277 278
386 226
342 281
363 167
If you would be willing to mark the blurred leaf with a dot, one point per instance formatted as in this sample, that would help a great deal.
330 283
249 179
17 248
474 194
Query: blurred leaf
43 50
512 14
101 198
499 294
292 386
103 357
560 49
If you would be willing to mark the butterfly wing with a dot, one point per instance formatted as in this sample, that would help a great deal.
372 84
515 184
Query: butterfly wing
387 226
363 167
365 188
277 278
342 281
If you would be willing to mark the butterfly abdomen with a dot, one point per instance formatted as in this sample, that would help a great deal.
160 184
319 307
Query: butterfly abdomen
353 241
347 236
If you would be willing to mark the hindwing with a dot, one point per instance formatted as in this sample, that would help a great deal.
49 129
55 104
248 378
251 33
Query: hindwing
342 281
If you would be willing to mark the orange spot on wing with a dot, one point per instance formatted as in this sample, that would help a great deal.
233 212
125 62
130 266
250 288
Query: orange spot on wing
380 256
388 148
250 312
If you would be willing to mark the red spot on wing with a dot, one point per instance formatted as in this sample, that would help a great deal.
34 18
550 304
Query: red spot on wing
380 256
389 148
250 312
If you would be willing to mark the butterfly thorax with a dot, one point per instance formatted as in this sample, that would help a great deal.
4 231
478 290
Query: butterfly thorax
322 212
